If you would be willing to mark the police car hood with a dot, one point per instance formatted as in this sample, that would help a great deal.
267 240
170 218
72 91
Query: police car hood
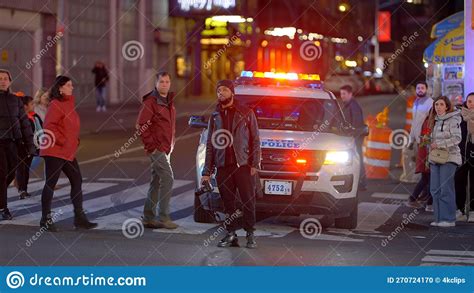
285 139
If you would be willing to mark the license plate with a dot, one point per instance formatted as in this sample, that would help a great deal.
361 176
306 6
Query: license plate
278 187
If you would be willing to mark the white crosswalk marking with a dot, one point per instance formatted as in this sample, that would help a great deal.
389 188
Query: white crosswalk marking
33 187
454 257
390 195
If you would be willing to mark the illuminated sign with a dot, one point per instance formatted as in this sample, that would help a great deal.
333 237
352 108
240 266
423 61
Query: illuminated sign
384 26
206 7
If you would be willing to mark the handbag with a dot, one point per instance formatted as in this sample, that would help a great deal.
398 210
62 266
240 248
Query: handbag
439 156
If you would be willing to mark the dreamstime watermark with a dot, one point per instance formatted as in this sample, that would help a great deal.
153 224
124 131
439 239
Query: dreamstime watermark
133 50
407 219
309 51
223 228
407 41
44 139
133 228
222 50
311 138
221 139
311 228
42 230
399 139
140 130
51 42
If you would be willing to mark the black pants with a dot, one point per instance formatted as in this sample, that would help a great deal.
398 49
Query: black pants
461 183
422 188
8 165
230 180
23 170
53 168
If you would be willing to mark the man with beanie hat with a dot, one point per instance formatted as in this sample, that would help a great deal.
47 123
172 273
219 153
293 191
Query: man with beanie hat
233 147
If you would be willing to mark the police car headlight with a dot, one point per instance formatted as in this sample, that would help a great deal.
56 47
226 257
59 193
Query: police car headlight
337 157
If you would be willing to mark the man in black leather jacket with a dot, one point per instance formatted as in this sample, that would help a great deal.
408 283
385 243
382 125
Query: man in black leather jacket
14 129
233 147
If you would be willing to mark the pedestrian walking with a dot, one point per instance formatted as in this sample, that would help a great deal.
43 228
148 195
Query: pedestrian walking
421 110
61 128
15 131
236 163
354 115
464 180
445 157
157 119
101 77
41 102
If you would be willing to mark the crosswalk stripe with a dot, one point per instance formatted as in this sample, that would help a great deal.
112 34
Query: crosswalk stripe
33 187
448 259
390 195
451 252
373 215
117 179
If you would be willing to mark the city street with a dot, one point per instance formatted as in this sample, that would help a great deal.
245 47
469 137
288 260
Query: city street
115 186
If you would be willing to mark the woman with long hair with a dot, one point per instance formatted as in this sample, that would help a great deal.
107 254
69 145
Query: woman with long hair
61 129
41 102
445 136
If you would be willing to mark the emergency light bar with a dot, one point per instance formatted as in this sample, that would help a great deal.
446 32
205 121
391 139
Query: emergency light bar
279 79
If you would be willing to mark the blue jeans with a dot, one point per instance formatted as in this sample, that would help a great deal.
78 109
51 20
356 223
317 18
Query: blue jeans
443 192
100 93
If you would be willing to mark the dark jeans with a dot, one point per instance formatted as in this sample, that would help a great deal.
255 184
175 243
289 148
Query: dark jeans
230 180
53 168
8 165
362 176
100 95
422 188
461 181
23 170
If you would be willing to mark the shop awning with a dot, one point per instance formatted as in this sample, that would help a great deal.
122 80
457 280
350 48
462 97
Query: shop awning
447 49
446 25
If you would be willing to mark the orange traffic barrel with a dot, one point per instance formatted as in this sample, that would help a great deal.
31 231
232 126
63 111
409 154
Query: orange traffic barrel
378 153
409 114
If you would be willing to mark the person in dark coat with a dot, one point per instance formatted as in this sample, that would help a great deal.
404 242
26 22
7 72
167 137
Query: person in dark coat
15 131
354 115
101 78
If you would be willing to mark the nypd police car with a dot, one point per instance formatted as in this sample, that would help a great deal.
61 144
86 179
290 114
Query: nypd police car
309 160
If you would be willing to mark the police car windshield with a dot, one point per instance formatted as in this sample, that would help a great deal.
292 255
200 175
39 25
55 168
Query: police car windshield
299 114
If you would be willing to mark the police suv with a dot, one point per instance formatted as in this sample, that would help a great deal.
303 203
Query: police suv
309 160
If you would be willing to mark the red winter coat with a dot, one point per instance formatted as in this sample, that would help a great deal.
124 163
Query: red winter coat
62 126
157 123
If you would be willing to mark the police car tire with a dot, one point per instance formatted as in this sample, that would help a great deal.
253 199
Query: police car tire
200 214
349 222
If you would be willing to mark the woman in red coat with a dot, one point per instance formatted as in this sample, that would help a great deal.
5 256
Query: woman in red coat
58 146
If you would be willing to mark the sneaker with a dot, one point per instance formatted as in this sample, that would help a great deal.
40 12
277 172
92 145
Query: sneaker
24 194
6 215
445 224
429 208
152 224
98 109
471 217
460 216
104 109
170 225
413 204
251 242
230 240
434 224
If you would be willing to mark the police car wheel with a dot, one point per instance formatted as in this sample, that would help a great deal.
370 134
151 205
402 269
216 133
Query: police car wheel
349 222
200 214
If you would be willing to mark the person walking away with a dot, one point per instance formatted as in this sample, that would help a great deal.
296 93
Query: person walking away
23 170
354 115
465 174
61 127
158 119
41 103
15 130
421 109
236 163
101 78
445 137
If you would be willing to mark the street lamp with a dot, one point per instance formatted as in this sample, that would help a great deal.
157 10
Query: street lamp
343 7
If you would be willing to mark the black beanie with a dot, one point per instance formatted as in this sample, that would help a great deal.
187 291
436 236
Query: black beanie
227 83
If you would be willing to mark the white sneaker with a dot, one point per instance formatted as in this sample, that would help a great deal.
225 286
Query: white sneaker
446 224
429 208
104 109
98 109
460 216
435 224
471 217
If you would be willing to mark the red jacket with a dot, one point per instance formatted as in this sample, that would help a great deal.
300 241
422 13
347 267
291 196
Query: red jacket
157 122
61 126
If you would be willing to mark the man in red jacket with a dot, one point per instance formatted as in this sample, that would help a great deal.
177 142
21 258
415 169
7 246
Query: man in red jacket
158 119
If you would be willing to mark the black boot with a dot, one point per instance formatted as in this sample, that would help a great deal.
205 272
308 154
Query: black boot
251 243
47 223
6 215
229 240
81 221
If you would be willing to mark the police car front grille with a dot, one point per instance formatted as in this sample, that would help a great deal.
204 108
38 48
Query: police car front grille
284 160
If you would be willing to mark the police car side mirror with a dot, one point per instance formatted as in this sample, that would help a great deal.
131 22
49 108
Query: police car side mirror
197 122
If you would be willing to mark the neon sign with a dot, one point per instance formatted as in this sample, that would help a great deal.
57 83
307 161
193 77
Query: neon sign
187 5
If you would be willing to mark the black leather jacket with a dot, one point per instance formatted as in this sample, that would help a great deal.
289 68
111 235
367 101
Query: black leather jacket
246 140
14 124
